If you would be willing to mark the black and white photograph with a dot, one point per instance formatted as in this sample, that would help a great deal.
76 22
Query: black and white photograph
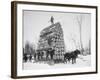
56 39
53 39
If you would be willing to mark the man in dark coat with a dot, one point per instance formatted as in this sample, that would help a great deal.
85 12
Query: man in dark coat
52 19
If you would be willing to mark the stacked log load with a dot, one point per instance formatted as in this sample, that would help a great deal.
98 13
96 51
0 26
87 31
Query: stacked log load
52 37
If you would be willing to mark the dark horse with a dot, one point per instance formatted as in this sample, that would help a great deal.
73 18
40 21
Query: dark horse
71 56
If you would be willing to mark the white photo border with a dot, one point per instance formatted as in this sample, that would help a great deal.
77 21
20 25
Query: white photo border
21 7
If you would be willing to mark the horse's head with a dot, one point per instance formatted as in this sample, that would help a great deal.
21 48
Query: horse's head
78 51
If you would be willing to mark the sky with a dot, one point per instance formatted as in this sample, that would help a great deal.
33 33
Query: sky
35 21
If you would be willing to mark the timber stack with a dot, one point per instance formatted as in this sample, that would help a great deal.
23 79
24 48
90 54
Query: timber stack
52 37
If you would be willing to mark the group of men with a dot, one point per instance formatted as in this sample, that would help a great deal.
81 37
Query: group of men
44 54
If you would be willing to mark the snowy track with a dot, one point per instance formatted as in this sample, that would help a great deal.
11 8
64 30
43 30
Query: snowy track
82 61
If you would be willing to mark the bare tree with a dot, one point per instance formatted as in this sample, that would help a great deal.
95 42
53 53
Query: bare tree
32 48
27 48
79 20
89 46
75 41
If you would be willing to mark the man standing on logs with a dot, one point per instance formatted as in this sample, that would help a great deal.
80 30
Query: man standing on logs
52 20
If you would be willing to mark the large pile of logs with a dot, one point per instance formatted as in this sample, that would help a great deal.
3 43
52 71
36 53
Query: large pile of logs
52 37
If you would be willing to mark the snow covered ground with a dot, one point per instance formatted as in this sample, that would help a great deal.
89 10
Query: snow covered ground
82 61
